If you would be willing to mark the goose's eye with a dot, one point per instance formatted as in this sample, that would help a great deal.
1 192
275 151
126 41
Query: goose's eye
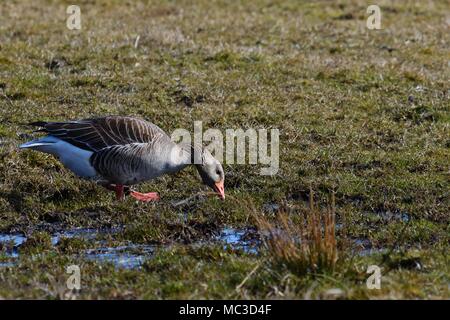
218 172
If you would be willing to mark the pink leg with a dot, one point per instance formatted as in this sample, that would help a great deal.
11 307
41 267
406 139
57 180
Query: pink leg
145 197
122 190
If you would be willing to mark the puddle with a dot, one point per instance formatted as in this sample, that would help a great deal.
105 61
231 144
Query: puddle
82 233
133 255
239 239
9 244
127 256
12 243
16 239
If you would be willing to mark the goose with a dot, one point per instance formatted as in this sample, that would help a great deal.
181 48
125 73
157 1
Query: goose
120 151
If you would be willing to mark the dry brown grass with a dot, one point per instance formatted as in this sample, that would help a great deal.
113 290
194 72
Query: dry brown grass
308 245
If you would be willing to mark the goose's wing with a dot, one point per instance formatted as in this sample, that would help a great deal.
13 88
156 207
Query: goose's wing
99 133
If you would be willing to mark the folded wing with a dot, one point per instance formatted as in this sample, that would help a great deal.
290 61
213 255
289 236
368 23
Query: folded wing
99 133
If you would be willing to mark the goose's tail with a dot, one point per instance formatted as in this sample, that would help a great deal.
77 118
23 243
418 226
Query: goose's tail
42 144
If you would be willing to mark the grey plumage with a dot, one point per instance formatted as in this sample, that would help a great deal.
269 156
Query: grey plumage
125 150
120 151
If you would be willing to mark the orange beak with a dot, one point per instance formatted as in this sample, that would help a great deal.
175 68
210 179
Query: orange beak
220 189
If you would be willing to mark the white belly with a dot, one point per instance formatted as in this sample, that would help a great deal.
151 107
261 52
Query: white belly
72 157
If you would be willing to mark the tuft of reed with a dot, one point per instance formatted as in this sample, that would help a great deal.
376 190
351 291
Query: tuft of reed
305 245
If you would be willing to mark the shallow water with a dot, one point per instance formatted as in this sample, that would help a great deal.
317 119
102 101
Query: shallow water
82 233
130 255
15 240
236 239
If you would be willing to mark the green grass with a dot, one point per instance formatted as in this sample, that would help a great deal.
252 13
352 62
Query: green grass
362 112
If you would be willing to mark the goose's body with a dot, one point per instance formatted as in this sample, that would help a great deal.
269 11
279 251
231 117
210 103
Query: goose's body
119 151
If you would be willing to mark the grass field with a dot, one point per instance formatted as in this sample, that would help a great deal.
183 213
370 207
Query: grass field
363 115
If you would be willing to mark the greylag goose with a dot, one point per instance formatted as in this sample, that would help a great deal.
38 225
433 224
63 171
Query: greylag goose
118 152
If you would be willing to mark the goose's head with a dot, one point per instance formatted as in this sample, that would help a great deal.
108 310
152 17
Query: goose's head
212 173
